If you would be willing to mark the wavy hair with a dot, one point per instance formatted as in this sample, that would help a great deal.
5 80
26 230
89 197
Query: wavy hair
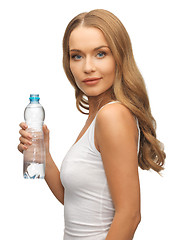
128 88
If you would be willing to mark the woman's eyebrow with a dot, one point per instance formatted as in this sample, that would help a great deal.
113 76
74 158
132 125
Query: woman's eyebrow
74 50
77 50
103 46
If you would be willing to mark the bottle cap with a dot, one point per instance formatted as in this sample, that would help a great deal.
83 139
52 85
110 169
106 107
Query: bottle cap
34 97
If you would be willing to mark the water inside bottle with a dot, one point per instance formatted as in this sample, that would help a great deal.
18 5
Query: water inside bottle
34 157
34 170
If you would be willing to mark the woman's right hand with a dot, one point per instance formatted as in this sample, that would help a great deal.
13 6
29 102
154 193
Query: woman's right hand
26 138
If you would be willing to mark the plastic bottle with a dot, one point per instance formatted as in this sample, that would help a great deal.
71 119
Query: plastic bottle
34 156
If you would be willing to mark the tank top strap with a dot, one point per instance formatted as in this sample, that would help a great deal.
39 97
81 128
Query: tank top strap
92 128
137 123
107 104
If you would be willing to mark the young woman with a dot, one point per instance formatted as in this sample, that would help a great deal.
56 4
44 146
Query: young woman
98 182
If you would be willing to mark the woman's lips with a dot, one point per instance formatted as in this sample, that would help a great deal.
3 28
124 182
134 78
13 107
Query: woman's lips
91 81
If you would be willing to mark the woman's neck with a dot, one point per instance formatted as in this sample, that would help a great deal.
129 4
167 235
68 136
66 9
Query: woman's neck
96 102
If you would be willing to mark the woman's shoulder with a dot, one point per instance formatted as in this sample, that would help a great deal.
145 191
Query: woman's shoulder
115 116
113 110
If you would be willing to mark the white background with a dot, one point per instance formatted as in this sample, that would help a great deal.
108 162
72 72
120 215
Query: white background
31 62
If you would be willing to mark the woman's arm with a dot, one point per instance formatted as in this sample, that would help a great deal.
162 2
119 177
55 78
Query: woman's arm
117 135
52 178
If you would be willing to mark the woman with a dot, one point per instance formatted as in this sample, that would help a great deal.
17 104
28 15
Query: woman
98 182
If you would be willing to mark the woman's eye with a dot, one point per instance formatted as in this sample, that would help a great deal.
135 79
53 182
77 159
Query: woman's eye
101 54
76 57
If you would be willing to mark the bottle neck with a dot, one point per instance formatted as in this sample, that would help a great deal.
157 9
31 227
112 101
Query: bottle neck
33 101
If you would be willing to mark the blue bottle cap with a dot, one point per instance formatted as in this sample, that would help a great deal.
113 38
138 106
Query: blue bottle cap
34 97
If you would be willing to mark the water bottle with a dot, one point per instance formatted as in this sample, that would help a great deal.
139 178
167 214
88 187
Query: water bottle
34 156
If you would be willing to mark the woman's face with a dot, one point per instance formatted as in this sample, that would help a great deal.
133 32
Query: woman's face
91 61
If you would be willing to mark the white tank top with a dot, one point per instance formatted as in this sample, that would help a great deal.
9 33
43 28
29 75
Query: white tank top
88 206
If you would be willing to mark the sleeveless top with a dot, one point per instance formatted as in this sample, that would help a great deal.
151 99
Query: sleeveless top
88 206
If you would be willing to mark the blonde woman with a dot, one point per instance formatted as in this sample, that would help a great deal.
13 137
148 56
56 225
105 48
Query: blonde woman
98 182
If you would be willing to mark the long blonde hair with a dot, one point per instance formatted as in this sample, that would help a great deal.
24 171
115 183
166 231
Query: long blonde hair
129 87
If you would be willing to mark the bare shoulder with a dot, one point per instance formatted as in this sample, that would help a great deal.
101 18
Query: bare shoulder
117 114
115 120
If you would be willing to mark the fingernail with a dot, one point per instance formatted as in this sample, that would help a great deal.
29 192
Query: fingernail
29 136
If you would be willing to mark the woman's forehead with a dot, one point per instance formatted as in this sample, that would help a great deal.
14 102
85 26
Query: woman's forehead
86 36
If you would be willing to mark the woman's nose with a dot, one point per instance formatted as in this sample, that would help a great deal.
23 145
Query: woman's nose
89 65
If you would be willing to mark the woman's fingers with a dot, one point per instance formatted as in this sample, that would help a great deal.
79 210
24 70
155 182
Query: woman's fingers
23 125
25 138
25 141
25 134
22 147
